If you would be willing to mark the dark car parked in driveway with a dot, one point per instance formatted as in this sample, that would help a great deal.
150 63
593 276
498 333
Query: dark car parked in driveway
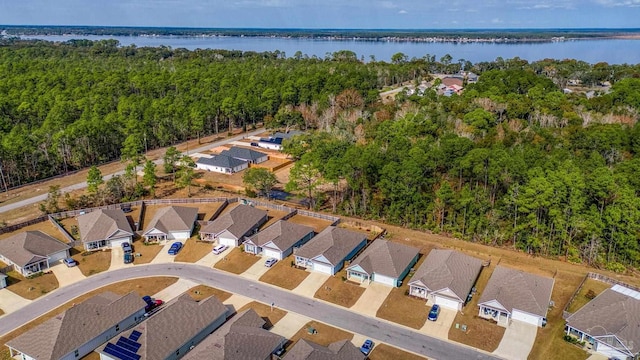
434 312
175 248
127 248
366 347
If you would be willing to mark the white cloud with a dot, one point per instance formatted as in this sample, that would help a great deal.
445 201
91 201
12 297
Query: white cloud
402 12
617 3
496 21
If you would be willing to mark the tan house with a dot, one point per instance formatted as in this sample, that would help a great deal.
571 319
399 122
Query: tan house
104 229
327 251
31 252
171 223
231 228
278 240
170 333
242 337
516 295
446 278
339 350
80 329
384 262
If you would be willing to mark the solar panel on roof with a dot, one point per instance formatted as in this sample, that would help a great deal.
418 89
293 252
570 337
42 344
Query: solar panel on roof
120 353
130 342
135 335
122 342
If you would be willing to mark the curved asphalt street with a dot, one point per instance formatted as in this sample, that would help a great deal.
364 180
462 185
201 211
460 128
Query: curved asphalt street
82 185
395 335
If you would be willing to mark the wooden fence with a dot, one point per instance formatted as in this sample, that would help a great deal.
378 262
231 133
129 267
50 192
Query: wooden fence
598 277
12 228
334 219
6 269
62 230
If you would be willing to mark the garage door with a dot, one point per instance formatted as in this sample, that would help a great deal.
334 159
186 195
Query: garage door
448 303
117 243
384 280
227 241
527 318
271 253
610 352
326 269
57 257
180 235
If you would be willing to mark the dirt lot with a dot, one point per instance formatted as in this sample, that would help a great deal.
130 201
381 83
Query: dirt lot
194 250
31 288
284 275
324 335
46 227
141 286
385 352
92 262
237 261
272 215
202 292
340 292
317 224
581 299
271 317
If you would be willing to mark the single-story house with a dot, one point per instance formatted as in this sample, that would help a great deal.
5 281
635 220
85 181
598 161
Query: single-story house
249 155
308 350
241 337
231 228
32 251
170 333
327 251
271 143
449 81
3 281
80 329
279 239
610 322
171 223
384 262
104 229
446 278
222 164
516 295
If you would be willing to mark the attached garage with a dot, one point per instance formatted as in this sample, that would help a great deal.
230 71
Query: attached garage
117 243
325 269
179 235
53 258
227 241
386 280
527 318
447 302
270 253
610 352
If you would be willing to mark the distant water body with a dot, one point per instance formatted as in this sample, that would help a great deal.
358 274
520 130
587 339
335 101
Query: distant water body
612 51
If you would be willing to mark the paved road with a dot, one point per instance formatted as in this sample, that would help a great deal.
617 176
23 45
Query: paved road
82 185
398 336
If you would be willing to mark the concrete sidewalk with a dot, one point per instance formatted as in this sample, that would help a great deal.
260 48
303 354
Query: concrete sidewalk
311 284
174 290
372 298
517 341
10 302
67 275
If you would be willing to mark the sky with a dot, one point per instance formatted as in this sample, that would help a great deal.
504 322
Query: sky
327 14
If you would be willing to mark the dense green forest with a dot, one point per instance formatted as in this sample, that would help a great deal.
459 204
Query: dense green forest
513 161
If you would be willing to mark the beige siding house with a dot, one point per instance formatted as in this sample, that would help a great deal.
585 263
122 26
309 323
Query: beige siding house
327 251
104 229
31 252
278 240
171 223
384 262
231 228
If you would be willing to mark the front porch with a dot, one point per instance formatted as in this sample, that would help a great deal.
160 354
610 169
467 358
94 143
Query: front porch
33 268
499 316
155 238
359 277
304 262
252 249
208 237
96 245
418 292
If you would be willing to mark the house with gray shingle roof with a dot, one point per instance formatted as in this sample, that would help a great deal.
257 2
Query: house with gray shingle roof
242 337
171 223
339 350
80 329
610 322
222 164
279 239
516 295
171 332
384 262
31 252
104 229
446 278
327 251
248 155
231 228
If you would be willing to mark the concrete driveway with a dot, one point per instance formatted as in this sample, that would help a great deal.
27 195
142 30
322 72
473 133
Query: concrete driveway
372 298
117 259
311 284
237 301
439 328
174 290
211 259
10 302
67 275
289 324
256 270
517 341
163 256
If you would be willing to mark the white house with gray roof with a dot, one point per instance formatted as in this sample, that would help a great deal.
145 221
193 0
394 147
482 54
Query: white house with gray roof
171 223
31 252
80 329
222 164
384 262
446 278
249 155
104 229
232 227
327 251
516 295
170 333
308 350
279 239
610 322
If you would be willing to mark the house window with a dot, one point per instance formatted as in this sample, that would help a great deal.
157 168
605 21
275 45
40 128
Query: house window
118 327
76 353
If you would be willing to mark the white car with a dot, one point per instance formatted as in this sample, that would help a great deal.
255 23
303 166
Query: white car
219 249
